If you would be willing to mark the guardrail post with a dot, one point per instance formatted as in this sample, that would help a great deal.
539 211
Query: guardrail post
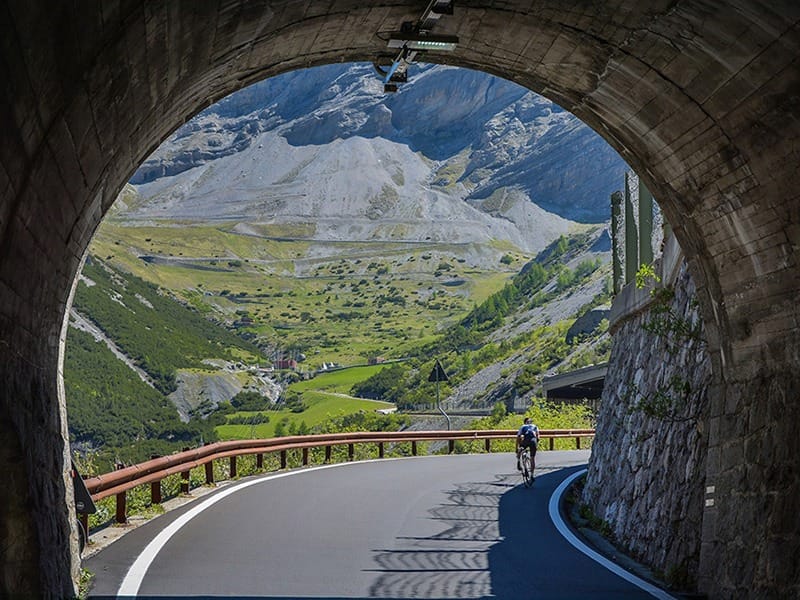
122 501
351 451
305 457
487 444
233 467
578 441
451 446
155 487
259 461
327 454
185 482
121 517
209 472
380 450
414 448
283 459
552 443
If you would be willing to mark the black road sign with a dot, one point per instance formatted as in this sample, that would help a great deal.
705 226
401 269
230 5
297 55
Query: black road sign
83 500
438 373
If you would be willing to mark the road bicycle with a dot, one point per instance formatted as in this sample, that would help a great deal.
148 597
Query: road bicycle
526 466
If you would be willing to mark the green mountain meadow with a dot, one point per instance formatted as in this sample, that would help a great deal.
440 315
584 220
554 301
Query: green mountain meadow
204 313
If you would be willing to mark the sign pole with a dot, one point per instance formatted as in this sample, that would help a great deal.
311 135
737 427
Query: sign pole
438 375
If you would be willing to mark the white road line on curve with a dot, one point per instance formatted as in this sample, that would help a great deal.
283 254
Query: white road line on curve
135 576
133 579
566 532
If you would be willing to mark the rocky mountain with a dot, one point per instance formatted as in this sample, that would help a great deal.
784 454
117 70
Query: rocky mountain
451 147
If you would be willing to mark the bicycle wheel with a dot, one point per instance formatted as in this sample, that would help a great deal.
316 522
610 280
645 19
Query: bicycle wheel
82 537
525 463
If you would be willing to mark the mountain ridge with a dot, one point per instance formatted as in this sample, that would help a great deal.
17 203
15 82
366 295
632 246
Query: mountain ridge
487 132
356 190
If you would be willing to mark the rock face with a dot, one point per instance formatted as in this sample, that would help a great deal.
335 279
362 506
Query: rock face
587 323
469 135
353 189
196 388
647 474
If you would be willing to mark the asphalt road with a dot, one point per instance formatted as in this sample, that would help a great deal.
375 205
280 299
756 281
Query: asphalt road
436 527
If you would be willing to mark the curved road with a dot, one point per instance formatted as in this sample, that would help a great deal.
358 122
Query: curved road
435 527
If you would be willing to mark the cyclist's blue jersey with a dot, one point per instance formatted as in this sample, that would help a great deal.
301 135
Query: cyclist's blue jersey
529 433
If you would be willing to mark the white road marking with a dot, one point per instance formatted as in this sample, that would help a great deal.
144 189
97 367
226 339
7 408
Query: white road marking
135 575
566 532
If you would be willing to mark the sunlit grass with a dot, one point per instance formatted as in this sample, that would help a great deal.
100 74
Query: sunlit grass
320 406
338 381
331 305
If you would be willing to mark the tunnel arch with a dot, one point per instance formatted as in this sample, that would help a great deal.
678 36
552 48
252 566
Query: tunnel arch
700 98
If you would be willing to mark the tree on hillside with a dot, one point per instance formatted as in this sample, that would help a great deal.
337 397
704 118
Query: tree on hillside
384 385
250 401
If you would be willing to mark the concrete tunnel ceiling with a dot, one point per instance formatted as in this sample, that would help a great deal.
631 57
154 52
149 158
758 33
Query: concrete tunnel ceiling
700 98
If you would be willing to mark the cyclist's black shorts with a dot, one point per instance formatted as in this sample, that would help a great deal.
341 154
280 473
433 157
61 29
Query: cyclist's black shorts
529 444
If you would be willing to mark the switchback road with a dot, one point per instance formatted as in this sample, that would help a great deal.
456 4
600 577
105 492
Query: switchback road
434 527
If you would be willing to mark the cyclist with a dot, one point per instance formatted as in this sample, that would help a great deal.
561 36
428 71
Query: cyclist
527 437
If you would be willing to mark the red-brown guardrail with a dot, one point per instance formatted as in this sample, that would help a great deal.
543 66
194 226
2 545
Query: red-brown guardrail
153 471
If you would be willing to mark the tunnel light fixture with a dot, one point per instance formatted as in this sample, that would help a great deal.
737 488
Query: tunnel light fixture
414 38
412 41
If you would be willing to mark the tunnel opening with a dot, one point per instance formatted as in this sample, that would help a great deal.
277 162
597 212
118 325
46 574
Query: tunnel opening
256 232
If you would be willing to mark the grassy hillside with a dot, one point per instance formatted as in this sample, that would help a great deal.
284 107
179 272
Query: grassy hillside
320 407
106 399
469 348
341 381
157 333
340 303
111 409
311 405
334 301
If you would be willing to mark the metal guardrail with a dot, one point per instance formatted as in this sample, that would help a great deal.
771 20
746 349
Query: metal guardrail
154 471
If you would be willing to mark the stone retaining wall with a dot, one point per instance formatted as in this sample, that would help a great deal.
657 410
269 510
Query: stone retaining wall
647 474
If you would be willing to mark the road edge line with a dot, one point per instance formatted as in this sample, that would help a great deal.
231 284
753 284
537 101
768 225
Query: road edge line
567 534
136 572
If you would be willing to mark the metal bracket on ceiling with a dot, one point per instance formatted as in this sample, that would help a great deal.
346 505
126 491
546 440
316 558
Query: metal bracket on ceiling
414 39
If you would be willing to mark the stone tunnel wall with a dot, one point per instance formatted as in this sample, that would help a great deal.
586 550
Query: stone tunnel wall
647 473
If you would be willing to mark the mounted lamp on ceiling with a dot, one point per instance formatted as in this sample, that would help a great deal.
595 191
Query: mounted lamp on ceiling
414 38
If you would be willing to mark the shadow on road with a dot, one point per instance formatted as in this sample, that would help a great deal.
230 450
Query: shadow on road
453 563
491 536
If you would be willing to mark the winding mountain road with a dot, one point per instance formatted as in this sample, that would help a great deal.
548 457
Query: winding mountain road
435 527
